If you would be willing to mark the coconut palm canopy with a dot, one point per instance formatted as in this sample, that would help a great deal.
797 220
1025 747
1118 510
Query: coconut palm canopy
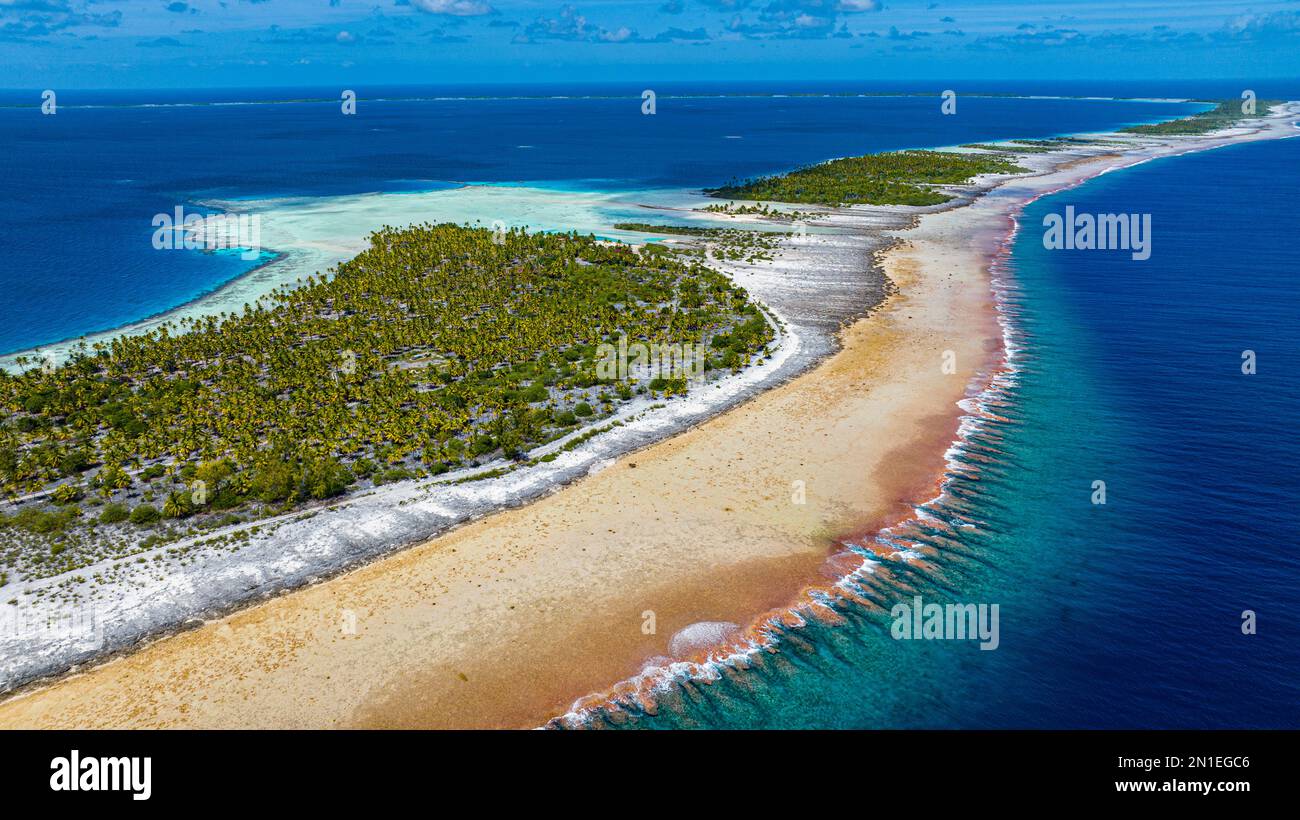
437 346
890 178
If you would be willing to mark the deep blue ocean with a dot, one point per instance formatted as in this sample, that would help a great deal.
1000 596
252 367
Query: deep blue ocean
1126 614
83 185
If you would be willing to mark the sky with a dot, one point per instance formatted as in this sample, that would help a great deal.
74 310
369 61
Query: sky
278 43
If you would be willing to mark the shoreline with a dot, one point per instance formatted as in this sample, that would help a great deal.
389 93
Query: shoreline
297 253
142 325
785 547
871 547
144 602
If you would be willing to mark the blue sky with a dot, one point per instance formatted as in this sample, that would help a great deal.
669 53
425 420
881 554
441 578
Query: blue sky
205 43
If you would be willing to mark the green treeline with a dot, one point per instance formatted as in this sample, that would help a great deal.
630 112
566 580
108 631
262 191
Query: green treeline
894 178
437 346
1224 115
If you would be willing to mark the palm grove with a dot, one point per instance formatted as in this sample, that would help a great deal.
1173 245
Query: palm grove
436 347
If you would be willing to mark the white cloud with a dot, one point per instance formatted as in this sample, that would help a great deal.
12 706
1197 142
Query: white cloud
859 5
455 8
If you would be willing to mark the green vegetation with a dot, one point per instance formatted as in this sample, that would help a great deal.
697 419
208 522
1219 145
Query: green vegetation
114 514
1225 114
144 514
1011 148
896 178
729 244
756 209
1055 142
1041 146
681 230
437 347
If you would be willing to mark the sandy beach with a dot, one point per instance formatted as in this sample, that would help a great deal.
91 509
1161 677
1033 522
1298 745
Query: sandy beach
671 551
